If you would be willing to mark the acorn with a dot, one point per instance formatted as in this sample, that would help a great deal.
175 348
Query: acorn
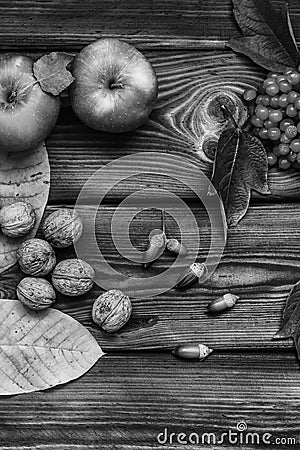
227 301
174 246
193 273
192 351
156 246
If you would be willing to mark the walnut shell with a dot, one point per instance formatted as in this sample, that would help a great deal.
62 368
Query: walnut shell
112 310
17 219
36 257
36 293
73 277
62 228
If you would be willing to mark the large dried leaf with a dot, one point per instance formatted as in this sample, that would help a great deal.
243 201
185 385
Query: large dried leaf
268 37
291 316
24 176
39 350
9 280
240 166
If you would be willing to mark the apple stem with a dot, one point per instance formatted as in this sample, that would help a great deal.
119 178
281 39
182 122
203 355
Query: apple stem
116 86
12 96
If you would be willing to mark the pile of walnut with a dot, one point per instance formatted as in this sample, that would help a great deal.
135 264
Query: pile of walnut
71 277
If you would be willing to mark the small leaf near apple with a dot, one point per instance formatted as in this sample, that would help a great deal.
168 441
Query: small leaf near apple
115 87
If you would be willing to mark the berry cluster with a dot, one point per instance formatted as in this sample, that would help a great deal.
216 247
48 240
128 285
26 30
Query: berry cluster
275 117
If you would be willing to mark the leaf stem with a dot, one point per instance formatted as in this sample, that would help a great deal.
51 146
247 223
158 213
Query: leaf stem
228 113
34 82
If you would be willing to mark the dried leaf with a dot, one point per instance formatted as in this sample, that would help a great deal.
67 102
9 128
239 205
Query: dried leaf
267 37
9 280
240 166
24 176
291 315
52 73
41 349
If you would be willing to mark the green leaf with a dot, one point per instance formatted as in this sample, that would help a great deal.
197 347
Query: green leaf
291 315
52 73
240 166
268 37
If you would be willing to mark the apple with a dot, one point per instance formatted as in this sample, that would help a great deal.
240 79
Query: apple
27 113
115 87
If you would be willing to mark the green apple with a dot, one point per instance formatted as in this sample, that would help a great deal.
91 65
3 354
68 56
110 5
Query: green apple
27 113
115 87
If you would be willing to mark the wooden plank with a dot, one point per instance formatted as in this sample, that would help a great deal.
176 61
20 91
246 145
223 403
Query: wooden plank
260 264
126 400
147 24
186 79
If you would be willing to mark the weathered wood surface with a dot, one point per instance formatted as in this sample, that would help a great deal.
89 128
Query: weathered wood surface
186 79
126 400
157 24
260 263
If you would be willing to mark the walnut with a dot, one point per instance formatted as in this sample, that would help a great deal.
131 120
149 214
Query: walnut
36 293
36 257
73 277
112 310
17 219
62 228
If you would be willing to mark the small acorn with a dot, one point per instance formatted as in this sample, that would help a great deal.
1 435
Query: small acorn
174 246
17 219
191 274
155 249
36 257
62 228
73 277
112 310
227 301
36 293
192 351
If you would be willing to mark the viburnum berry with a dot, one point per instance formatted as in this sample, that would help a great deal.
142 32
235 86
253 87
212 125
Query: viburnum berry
250 94
295 145
274 109
291 131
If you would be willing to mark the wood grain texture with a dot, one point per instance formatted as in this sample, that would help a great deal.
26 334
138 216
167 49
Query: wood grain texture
186 80
147 24
126 400
260 263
